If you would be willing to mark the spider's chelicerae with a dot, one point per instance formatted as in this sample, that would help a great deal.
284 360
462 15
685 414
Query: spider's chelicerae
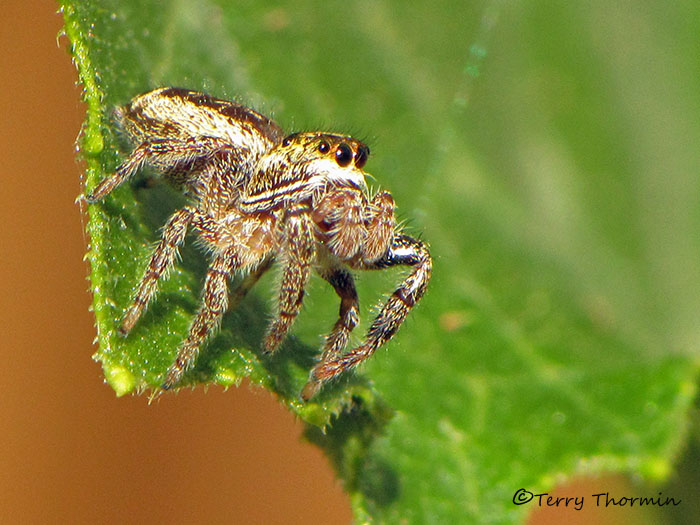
256 197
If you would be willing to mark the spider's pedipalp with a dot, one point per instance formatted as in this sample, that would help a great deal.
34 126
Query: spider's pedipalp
381 226
340 222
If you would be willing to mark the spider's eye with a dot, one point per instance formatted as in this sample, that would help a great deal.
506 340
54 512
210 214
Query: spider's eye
323 147
361 156
343 155
288 139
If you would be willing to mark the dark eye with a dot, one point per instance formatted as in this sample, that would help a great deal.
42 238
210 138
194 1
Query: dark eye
361 156
343 155
289 138
323 147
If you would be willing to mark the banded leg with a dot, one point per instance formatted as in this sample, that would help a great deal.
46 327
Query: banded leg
214 304
124 172
348 317
299 251
161 261
162 153
406 251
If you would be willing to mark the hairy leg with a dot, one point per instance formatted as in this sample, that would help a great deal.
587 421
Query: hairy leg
238 245
161 261
214 304
405 251
298 251
162 153
348 317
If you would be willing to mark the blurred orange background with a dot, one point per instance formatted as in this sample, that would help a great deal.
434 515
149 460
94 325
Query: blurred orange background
70 451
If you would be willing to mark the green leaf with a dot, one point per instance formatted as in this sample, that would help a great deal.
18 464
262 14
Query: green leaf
545 153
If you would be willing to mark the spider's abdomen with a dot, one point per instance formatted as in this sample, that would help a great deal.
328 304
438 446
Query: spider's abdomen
189 115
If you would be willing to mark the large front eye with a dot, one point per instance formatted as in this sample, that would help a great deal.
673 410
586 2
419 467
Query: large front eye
343 155
361 156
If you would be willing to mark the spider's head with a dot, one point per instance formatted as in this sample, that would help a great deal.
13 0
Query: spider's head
336 158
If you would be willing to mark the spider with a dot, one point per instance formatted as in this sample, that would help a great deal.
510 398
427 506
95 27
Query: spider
257 197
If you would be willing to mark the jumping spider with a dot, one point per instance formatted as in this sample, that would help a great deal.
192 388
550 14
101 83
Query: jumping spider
256 197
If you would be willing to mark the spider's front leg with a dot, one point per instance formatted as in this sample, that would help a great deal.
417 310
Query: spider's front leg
404 251
298 251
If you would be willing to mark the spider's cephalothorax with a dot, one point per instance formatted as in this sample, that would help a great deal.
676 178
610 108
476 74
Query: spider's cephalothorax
257 197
